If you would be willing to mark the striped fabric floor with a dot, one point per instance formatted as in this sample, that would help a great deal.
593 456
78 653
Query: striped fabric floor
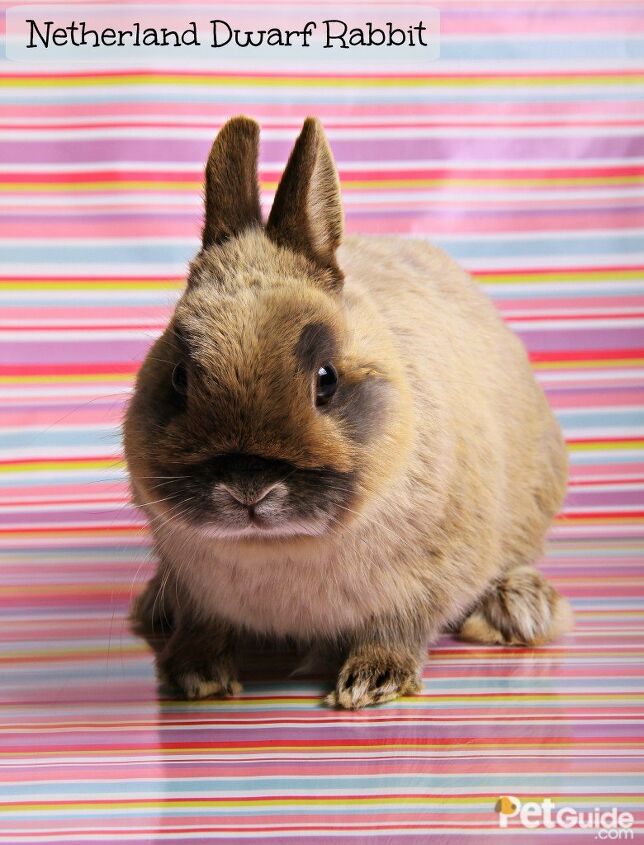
521 152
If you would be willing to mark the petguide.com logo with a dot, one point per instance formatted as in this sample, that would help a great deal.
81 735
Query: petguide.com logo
607 825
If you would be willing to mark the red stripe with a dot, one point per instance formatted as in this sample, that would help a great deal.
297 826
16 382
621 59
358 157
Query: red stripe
329 124
312 744
120 369
86 277
419 173
84 326
601 439
555 270
13 461
160 324
57 500
583 483
588 354
599 315
263 829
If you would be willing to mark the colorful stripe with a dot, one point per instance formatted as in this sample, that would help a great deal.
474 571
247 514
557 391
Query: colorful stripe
521 152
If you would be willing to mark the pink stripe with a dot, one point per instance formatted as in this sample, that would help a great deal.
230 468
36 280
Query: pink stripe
188 226
294 113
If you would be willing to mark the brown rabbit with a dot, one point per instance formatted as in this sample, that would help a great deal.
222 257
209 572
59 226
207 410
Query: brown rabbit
341 444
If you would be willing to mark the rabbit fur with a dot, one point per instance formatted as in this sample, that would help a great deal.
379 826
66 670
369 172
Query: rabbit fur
415 500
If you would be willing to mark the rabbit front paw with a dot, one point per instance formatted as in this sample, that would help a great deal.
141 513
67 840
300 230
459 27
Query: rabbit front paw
198 664
217 679
374 676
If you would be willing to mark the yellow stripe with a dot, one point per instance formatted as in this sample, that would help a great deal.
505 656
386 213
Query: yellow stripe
54 81
601 364
101 185
347 184
601 447
337 799
177 284
63 534
40 466
132 648
366 748
89 284
599 520
63 589
561 276
65 378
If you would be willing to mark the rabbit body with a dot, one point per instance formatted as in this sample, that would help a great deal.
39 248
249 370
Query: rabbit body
461 468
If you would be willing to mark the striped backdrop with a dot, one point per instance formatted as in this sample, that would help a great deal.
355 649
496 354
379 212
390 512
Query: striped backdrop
522 153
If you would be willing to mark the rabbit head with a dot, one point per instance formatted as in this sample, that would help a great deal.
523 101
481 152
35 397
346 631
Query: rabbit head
263 410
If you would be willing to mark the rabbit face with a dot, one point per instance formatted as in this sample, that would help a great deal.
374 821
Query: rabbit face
254 413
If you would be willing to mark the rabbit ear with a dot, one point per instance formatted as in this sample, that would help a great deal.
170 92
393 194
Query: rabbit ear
232 193
307 211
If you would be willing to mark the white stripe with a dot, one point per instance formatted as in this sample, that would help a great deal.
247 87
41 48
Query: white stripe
596 260
78 269
40 429
598 456
97 451
113 198
600 410
539 325
356 92
410 119
577 483
632 374
586 432
587 531
476 794
122 505
45 325
87 334
603 509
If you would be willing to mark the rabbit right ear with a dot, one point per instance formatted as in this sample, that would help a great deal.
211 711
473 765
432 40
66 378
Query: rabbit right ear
232 192
307 210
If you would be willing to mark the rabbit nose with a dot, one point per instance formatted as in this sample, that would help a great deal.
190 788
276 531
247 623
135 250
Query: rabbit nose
248 498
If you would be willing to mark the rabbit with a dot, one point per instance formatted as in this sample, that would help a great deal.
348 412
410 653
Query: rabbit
337 442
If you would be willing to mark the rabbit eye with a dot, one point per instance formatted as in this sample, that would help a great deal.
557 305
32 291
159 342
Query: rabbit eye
326 384
180 379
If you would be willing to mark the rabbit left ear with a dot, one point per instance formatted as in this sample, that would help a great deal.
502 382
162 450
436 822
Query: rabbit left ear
232 192
307 210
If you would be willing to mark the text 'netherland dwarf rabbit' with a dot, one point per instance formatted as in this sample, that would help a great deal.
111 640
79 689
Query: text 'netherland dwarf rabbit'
335 442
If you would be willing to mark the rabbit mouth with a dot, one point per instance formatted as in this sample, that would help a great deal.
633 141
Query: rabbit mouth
240 497
263 532
231 519
261 514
